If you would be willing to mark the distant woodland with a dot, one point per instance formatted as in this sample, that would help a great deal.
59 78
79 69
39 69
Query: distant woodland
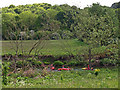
61 22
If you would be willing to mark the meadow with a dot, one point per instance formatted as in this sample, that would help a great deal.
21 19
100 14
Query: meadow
39 77
106 78
50 47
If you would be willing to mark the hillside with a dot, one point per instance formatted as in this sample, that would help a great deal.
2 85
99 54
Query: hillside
59 22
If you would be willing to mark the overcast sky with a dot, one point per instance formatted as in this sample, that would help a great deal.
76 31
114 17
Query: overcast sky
79 3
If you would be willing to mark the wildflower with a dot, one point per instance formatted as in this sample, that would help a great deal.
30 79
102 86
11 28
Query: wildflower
97 70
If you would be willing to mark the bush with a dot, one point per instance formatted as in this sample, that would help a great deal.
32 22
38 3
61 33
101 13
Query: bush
29 59
58 63
35 62
39 63
26 63
30 73
65 62
19 63
72 63
114 62
104 61
82 63
21 78
108 61
46 63
76 63
5 69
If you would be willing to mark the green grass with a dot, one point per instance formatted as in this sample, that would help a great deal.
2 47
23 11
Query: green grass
50 47
63 79
107 78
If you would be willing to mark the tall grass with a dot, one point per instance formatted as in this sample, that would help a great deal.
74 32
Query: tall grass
107 78
51 47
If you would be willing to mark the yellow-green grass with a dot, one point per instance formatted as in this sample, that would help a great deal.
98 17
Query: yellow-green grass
49 47
107 78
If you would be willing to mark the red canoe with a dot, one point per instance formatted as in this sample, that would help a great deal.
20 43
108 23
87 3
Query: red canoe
59 69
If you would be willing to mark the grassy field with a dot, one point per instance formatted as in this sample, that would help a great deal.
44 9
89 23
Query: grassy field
50 47
63 79
107 78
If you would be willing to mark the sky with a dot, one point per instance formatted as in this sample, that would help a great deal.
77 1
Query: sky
79 3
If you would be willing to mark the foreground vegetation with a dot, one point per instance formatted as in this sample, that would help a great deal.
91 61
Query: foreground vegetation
106 78
31 72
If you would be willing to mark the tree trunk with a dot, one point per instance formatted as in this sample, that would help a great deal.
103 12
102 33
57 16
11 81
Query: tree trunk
90 58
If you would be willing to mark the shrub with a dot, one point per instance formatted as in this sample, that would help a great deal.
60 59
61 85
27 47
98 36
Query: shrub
58 63
46 63
20 78
81 58
113 62
35 62
104 61
82 63
65 62
72 63
29 59
5 69
19 63
92 60
30 73
45 72
39 63
108 61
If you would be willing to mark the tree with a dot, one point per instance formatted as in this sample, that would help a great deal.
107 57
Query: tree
96 30
11 6
96 9
51 13
7 20
15 39
46 23
28 20
116 5
17 10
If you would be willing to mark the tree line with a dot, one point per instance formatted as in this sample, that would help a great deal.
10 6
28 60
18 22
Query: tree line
33 21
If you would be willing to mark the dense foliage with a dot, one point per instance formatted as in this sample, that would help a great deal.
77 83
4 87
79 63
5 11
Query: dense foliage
98 23
116 5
